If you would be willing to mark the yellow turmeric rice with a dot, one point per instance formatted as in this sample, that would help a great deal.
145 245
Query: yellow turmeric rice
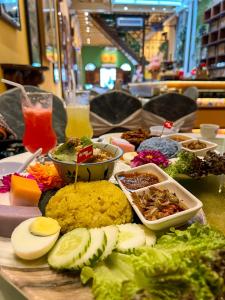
89 204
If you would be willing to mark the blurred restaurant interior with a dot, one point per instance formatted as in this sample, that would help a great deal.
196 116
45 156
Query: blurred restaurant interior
112 149
144 48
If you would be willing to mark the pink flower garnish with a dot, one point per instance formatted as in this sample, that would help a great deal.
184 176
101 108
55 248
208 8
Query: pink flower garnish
150 156
6 182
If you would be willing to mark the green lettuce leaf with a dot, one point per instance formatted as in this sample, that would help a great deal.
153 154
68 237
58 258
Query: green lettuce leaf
195 237
183 165
85 141
184 265
108 277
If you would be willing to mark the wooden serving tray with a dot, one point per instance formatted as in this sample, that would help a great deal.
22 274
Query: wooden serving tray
36 281
38 284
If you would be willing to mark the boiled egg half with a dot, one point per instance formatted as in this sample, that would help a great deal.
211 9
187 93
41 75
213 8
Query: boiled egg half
34 237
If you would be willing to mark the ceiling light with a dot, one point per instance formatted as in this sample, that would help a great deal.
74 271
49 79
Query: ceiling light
87 29
86 22
86 13
88 40
125 8
153 8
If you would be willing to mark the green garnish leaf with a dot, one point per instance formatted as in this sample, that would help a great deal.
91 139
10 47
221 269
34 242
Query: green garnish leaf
85 141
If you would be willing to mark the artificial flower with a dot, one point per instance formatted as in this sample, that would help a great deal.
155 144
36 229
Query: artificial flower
6 182
47 175
150 156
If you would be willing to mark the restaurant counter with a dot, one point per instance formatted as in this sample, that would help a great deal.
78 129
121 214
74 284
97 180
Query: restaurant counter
211 115
182 84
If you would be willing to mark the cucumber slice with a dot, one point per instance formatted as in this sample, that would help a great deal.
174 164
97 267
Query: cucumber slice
131 236
95 250
150 237
111 233
70 247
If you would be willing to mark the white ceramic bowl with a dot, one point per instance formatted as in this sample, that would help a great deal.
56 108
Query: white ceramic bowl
200 152
192 204
88 171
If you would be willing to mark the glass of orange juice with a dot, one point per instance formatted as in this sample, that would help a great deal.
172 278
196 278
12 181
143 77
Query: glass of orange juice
78 115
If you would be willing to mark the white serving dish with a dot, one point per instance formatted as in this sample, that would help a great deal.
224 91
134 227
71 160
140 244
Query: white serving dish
180 134
106 138
9 167
190 201
147 168
200 152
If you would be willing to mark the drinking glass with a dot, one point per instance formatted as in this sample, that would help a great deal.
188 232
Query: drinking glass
37 114
78 115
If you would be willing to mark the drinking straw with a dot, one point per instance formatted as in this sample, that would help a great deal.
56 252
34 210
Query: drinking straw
73 81
20 87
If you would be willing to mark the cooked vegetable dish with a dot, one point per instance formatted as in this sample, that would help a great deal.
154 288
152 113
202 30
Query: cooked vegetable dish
135 137
195 145
165 145
155 204
179 138
134 181
68 151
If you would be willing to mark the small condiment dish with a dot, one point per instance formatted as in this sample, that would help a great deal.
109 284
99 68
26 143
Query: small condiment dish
191 204
199 152
181 135
147 168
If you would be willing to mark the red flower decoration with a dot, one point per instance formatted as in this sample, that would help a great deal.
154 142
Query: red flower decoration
150 156
168 124
6 182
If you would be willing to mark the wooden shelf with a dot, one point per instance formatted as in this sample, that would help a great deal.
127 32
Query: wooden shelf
16 67
213 42
207 15
205 39
23 74
211 107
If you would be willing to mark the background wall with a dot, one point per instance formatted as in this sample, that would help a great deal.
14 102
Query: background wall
14 50
13 43
93 54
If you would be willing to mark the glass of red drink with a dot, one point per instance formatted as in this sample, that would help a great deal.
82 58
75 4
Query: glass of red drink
37 114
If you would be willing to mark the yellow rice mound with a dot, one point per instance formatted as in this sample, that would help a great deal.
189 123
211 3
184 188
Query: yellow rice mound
89 204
